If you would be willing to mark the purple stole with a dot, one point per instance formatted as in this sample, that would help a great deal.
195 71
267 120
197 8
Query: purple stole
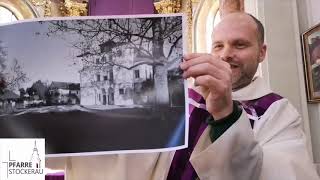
120 7
181 168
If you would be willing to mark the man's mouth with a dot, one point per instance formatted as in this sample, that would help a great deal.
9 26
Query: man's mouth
233 66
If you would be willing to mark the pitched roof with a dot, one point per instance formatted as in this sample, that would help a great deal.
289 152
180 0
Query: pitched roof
59 85
65 85
84 54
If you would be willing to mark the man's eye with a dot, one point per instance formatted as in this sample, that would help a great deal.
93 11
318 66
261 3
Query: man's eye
218 46
240 46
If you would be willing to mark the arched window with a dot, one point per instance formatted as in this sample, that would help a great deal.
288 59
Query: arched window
212 21
6 15
205 17
15 10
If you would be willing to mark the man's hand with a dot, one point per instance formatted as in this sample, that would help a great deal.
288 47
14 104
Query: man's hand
214 77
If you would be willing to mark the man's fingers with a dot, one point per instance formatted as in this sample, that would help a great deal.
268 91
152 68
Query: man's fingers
204 58
195 60
208 69
216 87
203 69
189 56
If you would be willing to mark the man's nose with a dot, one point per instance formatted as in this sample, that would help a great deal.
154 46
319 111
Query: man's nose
227 54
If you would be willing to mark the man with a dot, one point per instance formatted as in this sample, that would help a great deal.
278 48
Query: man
242 148
224 144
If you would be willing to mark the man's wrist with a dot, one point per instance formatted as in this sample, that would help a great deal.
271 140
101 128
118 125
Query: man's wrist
218 127
234 115
224 113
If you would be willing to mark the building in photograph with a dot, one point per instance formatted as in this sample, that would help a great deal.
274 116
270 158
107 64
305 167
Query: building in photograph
122 76
64 93
119 77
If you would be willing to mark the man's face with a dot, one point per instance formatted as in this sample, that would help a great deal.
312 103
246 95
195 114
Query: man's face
235 41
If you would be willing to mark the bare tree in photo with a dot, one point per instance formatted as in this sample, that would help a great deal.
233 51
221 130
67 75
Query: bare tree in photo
156 41
3 55
15 76
11 73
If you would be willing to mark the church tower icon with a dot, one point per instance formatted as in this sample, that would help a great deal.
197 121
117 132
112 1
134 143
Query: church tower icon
35 159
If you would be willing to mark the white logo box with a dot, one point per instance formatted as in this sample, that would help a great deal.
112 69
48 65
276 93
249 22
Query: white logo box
22 159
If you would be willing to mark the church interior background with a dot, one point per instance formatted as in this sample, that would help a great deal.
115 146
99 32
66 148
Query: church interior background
202 15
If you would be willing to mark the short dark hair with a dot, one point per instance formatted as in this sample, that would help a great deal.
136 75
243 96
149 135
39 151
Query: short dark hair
260 28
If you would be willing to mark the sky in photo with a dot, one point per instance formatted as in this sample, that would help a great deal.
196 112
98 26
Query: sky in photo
41 57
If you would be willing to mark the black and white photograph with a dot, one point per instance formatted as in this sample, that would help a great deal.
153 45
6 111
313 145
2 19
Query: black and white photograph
96 85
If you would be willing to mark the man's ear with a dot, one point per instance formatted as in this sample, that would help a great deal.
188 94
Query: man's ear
262 53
